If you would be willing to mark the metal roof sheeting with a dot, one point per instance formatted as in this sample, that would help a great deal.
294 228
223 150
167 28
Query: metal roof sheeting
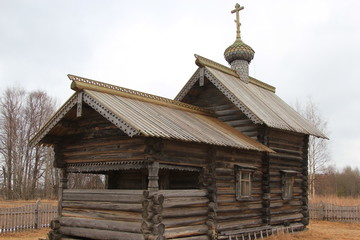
266 105
155 120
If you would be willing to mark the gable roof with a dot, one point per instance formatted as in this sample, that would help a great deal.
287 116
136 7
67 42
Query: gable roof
257 100
137 113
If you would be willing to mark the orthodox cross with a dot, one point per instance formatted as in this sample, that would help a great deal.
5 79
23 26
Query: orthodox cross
237 9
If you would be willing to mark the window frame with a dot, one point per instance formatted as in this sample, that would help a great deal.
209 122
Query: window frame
240 171
287 184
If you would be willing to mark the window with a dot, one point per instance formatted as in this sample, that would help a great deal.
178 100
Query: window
243 182
288 179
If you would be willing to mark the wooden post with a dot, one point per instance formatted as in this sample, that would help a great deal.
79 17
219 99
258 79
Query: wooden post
37 212
153 177
210 178
62 186
305 182
266 218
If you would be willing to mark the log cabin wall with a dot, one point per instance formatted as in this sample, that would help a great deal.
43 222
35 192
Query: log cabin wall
185 213
183 154
233 214
94 139
100 214
209 97
291 155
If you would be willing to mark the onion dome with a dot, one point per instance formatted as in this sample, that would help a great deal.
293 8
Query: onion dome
239 51
239 54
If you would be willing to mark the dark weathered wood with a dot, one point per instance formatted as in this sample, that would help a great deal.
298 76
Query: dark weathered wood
99 234
103 195
135 207
153 176
186 231
133 227
183 193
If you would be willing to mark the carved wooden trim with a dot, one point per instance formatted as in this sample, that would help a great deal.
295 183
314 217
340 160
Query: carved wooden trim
233 98
54 120
79 104
80 83
153 177
188 85
222 88
105 166
121 124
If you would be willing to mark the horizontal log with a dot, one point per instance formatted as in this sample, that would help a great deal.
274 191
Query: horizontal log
240 216
287 217
99 234
189 201
187 231
184 193
105 191
103 214
183 221
184 212
105 196
134 227
243 206
198 237
133 207
236 224
108 141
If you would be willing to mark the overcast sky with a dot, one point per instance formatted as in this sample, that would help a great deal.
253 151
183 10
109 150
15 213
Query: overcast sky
307 48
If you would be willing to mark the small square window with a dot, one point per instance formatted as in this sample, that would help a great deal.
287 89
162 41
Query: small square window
243 182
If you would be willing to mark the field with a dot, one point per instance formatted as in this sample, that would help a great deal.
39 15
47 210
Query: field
340 201
317 231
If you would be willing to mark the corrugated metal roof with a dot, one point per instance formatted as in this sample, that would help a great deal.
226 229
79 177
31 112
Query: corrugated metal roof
265 105
167 121
143 114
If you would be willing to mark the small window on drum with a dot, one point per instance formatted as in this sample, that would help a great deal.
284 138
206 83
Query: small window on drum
287 179
244 177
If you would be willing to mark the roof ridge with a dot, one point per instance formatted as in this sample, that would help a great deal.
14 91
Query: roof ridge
80 83
202 62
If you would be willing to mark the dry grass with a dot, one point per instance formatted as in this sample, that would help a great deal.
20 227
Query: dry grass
341 201
320 230
19 203
28 235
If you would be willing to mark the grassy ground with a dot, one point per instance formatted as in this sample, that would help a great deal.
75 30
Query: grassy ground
28 235
320 230
341 201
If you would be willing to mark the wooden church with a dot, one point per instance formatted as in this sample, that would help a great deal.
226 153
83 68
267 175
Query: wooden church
227 159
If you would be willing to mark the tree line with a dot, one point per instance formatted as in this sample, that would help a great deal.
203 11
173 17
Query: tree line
26 172
342 183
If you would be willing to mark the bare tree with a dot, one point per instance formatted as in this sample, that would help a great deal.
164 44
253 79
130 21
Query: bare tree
21 116
10 121
318 153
